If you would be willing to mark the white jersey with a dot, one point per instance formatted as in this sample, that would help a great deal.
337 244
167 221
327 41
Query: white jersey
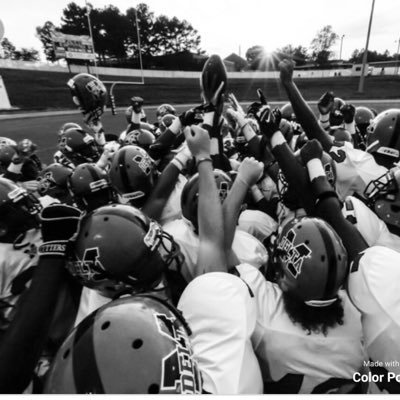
257 223
373 287
372 228
222 316
247 248
17 261
354 169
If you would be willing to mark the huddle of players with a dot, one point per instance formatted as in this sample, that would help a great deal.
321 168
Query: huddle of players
223 252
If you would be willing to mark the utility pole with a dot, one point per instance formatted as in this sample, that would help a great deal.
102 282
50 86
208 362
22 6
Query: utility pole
396 70
88 10
365 55
139 47
341 45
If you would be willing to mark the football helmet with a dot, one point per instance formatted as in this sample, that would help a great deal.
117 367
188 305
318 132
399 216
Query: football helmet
166 122
134 345
165 109
53 182
90 187
19 211
89 94
362 118
190 194
288 196
288 113
119 248
78 146
310 261
383 196
66 126
5 141
139 137
6 154
132 174
383 137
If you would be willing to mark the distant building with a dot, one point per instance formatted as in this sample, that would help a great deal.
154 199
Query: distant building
235 62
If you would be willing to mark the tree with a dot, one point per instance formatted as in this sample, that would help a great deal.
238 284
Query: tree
7 48
44 35
298 54
25 54
321 44
372 56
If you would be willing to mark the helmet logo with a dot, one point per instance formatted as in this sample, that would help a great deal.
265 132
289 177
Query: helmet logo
329 173
94 88
179 369
144 163
17 194
152 238
90 269
223 191
45 182
293 256
97 185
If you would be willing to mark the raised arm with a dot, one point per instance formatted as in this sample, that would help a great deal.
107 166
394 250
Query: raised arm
327 203
211 256
303 112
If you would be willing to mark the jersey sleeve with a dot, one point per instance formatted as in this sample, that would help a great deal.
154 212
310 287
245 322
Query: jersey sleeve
221 313
354 168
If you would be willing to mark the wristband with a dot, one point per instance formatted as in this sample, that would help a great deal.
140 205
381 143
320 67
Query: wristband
208 118
53 248
315 169
324 118
277 139
178 164
15 168
200 160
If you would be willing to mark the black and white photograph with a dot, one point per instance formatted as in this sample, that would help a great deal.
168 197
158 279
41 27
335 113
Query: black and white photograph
199 197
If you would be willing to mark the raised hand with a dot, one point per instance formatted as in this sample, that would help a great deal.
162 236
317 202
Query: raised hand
326 103
286 70
269 121
255 107
198 141
312 149
250 171
348 111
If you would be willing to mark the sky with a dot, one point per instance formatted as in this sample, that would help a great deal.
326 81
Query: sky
227 26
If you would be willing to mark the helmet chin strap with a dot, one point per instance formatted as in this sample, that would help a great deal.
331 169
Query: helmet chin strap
320 303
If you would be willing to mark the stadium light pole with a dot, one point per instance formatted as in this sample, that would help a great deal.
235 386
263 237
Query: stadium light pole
88 10
365 55
341 45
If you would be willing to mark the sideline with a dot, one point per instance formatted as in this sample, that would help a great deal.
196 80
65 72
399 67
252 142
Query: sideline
41 114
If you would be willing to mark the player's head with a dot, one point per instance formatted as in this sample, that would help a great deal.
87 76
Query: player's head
165 109
166 122
383 137
135 345
90 187
78 146
362 118
139 137
311 265
132 174
190 195
53 182
118 248
66 126
6 154
89 94
288 196
383 196
19 211
288 113
341 135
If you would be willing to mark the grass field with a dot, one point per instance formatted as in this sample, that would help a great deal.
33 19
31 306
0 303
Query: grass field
39 90
42 130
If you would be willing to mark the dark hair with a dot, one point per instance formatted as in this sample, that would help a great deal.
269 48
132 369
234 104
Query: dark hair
313 319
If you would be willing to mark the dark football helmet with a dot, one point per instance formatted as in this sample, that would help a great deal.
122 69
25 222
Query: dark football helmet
310 261
19 211
383 196
288 113
78 146
165 109
66 126
190 194
363 118
132 174
90 187
118 249
166 122
288 196
53 182
383 137
139 137
89 94
6 154
134 345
